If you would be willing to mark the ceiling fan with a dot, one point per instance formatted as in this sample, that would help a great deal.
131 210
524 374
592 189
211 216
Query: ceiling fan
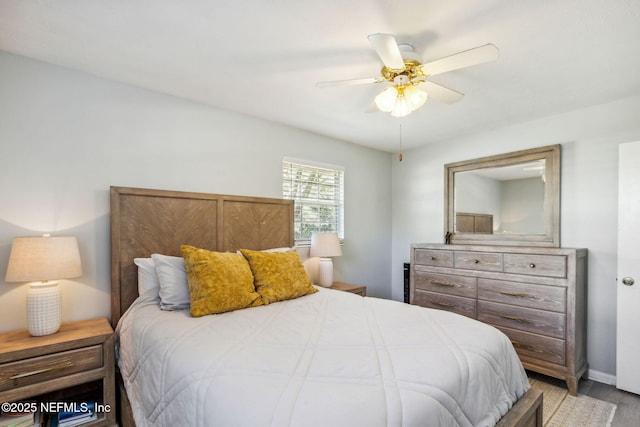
409 76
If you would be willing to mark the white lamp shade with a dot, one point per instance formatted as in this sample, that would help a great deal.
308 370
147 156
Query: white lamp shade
43 258
325 245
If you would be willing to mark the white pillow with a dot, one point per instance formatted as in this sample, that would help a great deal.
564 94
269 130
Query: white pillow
285 249
147 276
174 288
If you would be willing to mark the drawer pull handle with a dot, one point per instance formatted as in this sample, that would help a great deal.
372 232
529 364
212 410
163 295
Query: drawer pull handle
522 345
516 319
438 283
443 304
42 371
511 294
532 265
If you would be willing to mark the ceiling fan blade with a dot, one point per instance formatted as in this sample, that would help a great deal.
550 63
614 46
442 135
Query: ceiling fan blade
350 82
441 93
387 49
467 58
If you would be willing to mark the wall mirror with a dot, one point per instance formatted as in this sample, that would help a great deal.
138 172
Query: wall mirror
507 199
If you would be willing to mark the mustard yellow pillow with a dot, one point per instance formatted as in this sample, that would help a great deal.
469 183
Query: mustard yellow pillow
278 276
218 282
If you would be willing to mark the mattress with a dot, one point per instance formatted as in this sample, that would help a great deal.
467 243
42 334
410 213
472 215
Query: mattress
327 359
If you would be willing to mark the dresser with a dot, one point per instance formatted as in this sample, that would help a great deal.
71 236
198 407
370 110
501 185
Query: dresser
536 296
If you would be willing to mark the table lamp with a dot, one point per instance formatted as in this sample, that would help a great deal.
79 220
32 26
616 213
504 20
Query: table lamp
42 261
325 245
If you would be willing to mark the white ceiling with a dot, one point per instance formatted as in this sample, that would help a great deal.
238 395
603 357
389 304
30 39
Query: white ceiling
263 57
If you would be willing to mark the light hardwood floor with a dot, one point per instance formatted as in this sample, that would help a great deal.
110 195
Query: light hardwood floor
628 410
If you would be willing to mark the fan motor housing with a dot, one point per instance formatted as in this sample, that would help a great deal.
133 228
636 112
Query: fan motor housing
410 70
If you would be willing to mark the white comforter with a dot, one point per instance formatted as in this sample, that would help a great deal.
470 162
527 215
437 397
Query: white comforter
327 359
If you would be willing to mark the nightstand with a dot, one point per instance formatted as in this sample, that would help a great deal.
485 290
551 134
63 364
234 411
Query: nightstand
347 287
75 364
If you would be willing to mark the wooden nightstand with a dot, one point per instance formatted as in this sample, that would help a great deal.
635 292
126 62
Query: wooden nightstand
354 289
73 365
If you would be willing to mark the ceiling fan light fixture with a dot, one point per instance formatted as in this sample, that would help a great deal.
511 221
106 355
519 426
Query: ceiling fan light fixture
405 70
386 100
415 96
401 107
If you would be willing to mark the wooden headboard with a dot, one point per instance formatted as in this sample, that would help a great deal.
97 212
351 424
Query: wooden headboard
146 221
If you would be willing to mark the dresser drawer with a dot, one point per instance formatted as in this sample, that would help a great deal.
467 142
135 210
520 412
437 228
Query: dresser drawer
448 284
485 261
536 296
38 369
536 265
460 305
524 319
433 258
536 346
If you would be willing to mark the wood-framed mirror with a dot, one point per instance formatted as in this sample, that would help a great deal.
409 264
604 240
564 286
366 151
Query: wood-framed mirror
508 199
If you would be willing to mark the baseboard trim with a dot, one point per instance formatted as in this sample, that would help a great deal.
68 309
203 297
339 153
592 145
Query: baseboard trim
601 377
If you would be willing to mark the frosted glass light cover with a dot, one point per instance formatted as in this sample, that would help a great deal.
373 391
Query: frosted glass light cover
415 96
386 99
401 109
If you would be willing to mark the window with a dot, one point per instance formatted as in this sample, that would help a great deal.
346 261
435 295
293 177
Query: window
318 191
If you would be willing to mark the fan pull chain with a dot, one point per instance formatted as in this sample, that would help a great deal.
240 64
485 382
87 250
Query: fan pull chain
400 153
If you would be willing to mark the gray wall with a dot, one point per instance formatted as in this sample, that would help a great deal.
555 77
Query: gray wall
589 181
522 206
478 194
66 136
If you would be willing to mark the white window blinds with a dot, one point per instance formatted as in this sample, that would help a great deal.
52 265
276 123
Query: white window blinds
318 191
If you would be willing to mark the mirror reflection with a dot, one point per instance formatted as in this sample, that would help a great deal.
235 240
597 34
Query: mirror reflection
505 199
501 200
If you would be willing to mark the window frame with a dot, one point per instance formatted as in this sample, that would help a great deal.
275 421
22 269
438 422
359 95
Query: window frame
337 202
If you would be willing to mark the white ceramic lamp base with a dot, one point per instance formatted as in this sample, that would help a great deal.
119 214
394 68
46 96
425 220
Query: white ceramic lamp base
44 307
325 272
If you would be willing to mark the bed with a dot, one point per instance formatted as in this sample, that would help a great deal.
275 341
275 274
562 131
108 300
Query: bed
325 358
